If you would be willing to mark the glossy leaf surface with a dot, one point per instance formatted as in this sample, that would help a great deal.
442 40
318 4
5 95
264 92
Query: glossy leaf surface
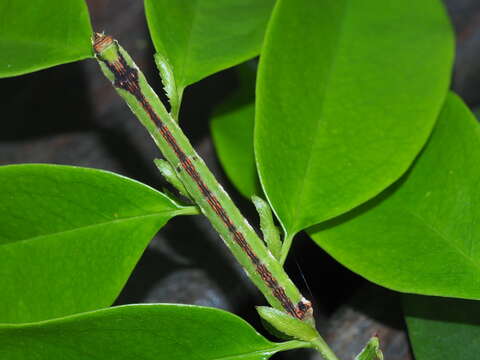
69 238
442 328
202 37
423 234
37 34
348 92
147 332
232 132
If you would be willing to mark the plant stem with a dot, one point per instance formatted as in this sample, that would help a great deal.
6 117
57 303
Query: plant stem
287 243
188 210
263 269
322 347
294 344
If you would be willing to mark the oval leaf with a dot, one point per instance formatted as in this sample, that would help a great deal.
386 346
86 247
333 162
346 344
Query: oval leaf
442 328
69 238
147 332
348 92
232 133
201 37
37 34
423 234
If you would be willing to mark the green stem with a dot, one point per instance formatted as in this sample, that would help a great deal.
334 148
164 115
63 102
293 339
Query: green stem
322 347
188 210
287 243
178 101
263 269
293 344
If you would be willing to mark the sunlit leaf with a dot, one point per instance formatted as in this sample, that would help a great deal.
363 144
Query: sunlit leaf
147 332
423 234
348 93
69 238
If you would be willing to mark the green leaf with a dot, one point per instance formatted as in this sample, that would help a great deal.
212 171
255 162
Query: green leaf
38 34
423 234
232 133
147 332
348 92
69 238
442 328
202 37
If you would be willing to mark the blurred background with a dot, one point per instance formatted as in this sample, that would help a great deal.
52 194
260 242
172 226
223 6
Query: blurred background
71 115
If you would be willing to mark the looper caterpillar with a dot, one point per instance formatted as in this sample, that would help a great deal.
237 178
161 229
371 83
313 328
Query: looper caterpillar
263 269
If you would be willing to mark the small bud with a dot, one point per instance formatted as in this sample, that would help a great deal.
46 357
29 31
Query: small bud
371 351
169 85
270 232
170 175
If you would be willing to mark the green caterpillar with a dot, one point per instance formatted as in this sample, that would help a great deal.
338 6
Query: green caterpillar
263 269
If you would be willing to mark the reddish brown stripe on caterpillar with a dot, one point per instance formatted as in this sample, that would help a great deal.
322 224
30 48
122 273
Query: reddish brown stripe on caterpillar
126 78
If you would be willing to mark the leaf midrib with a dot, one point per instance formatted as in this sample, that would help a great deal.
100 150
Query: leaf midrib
301 194
444 238
241 355
169 214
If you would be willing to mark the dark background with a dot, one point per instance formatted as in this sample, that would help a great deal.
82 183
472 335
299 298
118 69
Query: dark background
187 262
